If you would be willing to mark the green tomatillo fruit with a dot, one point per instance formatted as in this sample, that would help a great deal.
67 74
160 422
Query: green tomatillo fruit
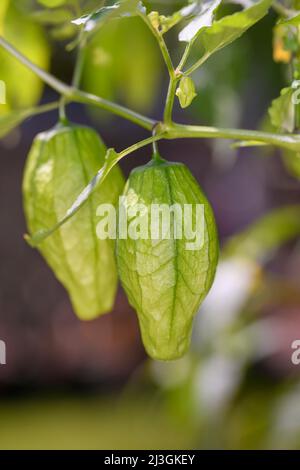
60 164
167 273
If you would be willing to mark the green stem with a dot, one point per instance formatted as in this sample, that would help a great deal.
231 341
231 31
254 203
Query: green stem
176 131
62 110
161 43
169 131
53 82
168 61
44 108
170 100
79 66
138 145
87 98
73 94
197 64
184 57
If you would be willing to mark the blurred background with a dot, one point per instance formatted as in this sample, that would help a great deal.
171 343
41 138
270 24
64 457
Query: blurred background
70 384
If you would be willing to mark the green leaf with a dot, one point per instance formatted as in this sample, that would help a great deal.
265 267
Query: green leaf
52 16
3 9
186 92
224 31
270 232
63 31
292 21
118 9
204 18
52 3
23 87
282 111
111 159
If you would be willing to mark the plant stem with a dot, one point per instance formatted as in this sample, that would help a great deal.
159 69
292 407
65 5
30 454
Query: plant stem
75 80
170 100
197 64
44 108
79 66
53 82
176 131
184 57
73 94
87 98
168 61
140 144
168 131
161 43
62 109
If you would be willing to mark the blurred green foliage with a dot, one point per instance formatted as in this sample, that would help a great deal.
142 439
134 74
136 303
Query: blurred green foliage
123 63
91 423
24 88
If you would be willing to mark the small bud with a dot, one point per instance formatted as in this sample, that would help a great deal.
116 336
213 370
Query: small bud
186 92
154 19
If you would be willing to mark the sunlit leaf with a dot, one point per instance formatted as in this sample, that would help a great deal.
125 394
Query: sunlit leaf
282 111
117 9
204 18
292 21
52 16
23 87
3 9
224 31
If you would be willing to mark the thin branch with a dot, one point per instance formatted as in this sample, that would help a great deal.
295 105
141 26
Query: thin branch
73 94
44 108
170 131
176 131
78 67
142 143
197 64
170 100
161 43
185 56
